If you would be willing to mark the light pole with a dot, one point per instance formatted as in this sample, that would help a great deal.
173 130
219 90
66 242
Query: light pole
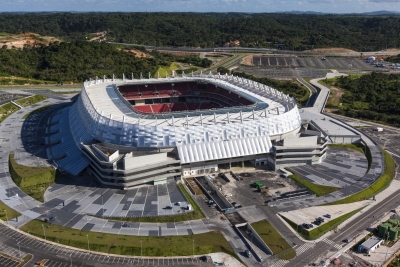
141 248
6 215
87 236
44 232
19 248
102 206
193 247
70 259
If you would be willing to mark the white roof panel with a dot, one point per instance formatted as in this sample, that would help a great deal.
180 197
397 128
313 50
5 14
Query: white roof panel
205 151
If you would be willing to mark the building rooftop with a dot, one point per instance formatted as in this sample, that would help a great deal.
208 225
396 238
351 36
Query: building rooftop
326 125
370 243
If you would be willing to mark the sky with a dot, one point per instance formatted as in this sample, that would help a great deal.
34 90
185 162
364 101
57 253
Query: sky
327 6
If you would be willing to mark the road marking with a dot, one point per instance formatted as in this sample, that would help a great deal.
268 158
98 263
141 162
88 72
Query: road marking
392 154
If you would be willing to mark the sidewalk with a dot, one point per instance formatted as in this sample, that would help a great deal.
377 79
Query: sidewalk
394 186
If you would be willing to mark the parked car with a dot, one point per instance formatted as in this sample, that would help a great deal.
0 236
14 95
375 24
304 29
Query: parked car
327 216
248 253
347 240
168 208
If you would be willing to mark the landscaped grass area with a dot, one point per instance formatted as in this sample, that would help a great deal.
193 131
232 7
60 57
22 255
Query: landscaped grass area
375 188
25 259
192 215
187 71
360 148
6 110
36 111
318 190
30 100
163 70
274 240
32 180
320 230
131 245
9 213
303 100
22 81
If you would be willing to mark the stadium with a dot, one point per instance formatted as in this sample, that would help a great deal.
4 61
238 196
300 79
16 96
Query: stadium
127 132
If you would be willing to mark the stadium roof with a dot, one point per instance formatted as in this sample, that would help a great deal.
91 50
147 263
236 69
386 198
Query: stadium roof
107 101
206 151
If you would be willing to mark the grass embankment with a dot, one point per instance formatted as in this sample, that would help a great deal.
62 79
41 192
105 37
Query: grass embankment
7 213
320 230
187 71
6 110
379 185
32 180
360 148
25 260
30 100
36 111
22 81
303 100
318 190
274 240
163 70
192 215
130 245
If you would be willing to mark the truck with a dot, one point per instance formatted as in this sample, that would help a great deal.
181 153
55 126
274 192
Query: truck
258 184
378 129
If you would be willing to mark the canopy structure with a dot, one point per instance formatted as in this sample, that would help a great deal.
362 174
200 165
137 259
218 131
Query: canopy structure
207 151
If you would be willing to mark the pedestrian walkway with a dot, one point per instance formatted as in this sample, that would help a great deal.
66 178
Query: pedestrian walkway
333 244
280 263
303 248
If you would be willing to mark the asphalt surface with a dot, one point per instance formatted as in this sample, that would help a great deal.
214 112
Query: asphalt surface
59 256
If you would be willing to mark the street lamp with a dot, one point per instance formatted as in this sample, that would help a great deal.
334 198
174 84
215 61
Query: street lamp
70 259
87 236
44 232
193 247
19 248
102 206
141 248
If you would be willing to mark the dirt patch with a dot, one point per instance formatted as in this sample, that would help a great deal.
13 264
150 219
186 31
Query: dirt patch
247 61
18 41
177 53
137 53
331 50
99 37
193 185
335 96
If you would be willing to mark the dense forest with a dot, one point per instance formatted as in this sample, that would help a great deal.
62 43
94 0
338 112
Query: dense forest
299 92
374 96
81 60
286 31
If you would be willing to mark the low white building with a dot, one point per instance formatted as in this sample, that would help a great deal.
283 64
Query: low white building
370 245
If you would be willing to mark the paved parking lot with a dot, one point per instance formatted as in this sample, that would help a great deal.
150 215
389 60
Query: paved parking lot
151 200
312 62
93 209
341 168
61 257
7 262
